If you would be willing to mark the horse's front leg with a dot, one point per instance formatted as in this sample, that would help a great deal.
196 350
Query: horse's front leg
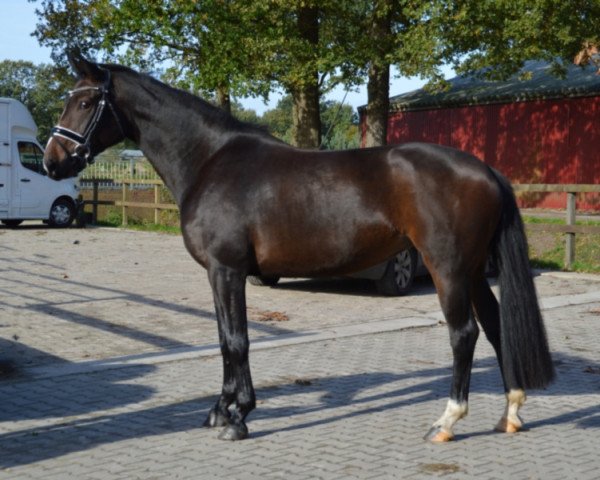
228 287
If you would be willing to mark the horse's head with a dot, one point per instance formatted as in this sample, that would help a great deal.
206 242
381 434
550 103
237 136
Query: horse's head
89 123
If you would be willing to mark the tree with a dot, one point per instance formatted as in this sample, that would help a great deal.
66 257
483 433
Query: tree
279 119
588 54
38 87
248 47
339 122
339 126
201 43
495 38
239 47
380 33
488 37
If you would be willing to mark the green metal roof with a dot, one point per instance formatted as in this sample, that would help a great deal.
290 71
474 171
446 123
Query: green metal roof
471 90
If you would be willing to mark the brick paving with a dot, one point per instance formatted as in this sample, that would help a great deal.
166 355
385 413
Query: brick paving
113 338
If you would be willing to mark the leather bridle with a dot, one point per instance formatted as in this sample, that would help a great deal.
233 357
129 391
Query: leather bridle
83 152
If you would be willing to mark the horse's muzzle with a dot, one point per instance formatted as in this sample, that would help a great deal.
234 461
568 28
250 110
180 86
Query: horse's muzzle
66 168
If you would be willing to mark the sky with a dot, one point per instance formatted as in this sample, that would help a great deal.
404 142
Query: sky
16 43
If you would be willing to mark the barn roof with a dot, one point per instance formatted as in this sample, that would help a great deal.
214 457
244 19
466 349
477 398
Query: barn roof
539 84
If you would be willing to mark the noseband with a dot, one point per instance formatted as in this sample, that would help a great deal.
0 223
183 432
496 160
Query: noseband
83 151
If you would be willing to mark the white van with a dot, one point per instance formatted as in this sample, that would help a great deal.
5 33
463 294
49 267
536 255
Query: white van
25 190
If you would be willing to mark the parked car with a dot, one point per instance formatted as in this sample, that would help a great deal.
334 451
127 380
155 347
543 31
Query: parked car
25 190
394 277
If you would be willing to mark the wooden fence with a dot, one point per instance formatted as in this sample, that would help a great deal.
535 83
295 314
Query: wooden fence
570 229
124 203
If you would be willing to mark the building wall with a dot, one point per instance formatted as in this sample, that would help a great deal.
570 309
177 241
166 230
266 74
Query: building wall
550 141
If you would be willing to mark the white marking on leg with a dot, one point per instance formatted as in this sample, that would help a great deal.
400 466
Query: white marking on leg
453 413
510 421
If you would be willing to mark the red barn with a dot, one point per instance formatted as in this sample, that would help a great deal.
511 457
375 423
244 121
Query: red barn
541 129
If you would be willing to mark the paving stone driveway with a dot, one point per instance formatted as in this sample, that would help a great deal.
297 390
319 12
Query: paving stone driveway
114 340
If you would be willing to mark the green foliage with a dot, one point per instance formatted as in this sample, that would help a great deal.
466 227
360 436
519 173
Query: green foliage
279 119
112 218
339 126
339 122
37 88
250 47
249 116
499 35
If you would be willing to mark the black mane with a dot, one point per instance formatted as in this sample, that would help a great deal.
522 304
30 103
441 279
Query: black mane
211 113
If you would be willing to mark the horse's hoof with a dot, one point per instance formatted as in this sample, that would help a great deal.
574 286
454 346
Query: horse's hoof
506 426
215 419
234 432
438 435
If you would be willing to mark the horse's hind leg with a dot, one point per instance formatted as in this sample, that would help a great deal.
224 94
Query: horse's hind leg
453 293
230 303
487 311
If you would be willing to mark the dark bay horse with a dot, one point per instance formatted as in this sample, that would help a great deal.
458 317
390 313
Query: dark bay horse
252 205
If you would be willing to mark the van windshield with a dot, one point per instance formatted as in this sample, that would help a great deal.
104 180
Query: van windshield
31 157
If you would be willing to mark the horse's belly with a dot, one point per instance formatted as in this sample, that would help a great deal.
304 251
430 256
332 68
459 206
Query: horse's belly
325 252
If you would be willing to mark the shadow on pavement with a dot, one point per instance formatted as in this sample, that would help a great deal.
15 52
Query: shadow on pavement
81 400
351 286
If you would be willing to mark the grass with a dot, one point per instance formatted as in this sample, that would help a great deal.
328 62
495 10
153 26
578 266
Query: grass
114 219
153 227
547 250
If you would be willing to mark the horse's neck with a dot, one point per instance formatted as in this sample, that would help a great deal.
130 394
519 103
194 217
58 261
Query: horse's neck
175 137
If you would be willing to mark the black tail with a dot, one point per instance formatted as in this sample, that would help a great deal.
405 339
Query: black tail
526 360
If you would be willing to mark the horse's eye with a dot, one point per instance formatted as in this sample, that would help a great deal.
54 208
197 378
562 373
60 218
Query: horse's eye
83 105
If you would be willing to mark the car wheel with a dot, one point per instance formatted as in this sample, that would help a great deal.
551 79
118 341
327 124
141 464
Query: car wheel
62 213
12 223
399 273
260 281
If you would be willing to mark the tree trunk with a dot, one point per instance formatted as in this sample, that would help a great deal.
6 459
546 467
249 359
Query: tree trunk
223 99
306 131
378 86
378 91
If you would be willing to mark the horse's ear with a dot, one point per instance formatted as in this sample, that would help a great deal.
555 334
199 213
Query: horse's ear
83 67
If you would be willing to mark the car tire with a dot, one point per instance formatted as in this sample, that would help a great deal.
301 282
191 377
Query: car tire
399 273
62 213
261 281
12 223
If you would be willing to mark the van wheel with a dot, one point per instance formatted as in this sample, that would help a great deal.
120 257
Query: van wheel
399 273
62 213
12 223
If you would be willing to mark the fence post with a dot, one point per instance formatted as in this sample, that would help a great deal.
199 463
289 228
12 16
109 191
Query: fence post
156 200
570 237
95 200
124 197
